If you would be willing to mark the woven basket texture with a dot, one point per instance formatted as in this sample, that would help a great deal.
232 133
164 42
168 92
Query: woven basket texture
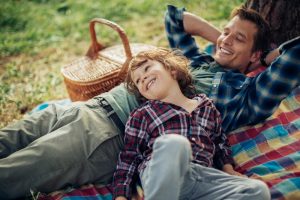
100 70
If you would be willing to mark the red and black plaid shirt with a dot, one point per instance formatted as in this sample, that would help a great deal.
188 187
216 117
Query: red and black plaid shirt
155 118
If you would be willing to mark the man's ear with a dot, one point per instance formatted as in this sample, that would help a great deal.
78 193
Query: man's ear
255 56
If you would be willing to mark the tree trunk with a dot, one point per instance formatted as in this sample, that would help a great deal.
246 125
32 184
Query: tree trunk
282 15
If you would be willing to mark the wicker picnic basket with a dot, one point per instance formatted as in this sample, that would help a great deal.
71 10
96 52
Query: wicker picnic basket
102 68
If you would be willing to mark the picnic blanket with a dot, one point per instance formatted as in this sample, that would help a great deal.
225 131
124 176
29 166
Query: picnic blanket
270 149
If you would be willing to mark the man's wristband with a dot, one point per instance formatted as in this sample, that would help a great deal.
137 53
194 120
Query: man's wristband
263 58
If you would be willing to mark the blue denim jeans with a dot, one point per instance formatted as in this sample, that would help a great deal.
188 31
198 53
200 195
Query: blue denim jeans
170 174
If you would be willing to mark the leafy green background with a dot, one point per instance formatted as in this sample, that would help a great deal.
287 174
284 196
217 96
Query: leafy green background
38 37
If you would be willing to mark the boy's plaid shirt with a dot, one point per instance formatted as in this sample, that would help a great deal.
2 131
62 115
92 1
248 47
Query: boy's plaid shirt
202 128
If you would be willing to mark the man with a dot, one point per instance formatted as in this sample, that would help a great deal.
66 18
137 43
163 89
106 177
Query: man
79 144
239 99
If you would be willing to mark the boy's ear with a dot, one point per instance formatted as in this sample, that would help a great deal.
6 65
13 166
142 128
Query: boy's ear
174 74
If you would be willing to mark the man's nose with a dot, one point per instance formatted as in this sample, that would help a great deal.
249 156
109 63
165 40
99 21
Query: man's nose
228 39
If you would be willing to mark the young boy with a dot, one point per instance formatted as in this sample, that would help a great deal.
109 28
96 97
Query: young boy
174 140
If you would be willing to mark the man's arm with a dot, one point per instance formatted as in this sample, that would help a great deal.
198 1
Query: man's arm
265 60
197 26
258 97
271 56
180 39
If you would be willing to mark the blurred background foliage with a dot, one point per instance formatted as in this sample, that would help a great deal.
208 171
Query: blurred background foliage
38 37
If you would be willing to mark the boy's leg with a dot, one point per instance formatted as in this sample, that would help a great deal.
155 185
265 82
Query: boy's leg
209 183
170 175
163 176
82 151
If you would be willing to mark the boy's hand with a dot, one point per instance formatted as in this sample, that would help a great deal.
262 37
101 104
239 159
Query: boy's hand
235 173
255 176
121 198
229 170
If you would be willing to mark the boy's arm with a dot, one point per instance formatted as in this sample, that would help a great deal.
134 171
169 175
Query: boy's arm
129 157
222 155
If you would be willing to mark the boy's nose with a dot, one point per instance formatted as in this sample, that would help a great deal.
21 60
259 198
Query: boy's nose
144 78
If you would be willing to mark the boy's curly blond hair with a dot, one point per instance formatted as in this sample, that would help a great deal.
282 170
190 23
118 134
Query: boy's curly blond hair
172 60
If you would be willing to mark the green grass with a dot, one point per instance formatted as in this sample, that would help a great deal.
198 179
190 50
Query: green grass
38 37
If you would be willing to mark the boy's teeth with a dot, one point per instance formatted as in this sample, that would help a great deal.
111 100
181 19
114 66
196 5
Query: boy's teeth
150 83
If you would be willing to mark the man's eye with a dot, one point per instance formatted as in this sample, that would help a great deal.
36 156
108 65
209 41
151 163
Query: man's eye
239 39
137 82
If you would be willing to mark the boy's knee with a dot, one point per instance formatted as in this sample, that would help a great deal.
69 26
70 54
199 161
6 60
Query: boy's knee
173 140
173 143
260 189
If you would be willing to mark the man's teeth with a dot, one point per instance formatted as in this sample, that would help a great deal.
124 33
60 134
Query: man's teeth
225 51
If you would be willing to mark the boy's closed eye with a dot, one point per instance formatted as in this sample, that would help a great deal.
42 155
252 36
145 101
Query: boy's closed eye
137 81
146 67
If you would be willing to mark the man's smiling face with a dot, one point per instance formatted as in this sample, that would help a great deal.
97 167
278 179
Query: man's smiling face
235 44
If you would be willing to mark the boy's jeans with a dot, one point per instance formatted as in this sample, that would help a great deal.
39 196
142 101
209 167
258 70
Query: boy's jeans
170 175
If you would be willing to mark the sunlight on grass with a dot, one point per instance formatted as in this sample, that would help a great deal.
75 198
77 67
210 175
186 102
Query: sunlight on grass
38 37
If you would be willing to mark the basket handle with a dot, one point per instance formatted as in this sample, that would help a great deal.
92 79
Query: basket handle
96 46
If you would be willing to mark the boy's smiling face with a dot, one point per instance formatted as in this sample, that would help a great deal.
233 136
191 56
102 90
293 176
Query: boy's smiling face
153 80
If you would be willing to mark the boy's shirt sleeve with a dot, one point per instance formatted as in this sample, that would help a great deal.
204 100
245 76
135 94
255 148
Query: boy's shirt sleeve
179 39
130 156
223 152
